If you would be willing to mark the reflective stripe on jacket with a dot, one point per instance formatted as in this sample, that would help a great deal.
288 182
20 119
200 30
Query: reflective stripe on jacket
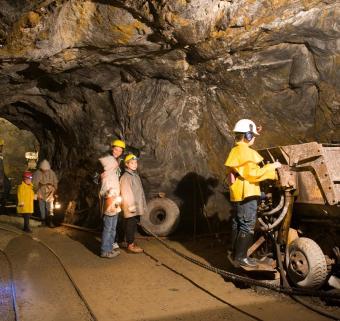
244 161
25 198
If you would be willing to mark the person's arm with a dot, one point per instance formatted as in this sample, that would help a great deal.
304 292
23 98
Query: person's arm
20 196
254 173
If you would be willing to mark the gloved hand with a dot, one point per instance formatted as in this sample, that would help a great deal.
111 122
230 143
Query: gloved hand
118 200
132 209
277 165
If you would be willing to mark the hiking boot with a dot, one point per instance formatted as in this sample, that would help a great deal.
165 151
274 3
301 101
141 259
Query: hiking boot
109 255
115 252
49 221
115 246
133 248
246 262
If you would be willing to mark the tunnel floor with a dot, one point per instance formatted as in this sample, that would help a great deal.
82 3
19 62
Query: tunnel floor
154 286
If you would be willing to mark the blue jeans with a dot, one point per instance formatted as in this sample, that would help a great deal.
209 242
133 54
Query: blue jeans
109 232
245 217
45 208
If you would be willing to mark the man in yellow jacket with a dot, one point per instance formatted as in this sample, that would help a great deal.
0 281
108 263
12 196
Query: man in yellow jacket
244 176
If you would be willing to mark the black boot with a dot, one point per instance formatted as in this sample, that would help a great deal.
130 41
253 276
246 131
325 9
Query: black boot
233 239
243 242
27 223
49 221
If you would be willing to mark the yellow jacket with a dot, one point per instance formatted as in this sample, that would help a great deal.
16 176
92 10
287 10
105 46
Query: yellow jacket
243 161
25 198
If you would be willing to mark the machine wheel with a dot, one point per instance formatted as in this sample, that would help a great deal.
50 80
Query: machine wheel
161 218
306 264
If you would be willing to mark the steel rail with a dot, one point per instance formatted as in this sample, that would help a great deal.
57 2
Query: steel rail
292 292
78 291
13 292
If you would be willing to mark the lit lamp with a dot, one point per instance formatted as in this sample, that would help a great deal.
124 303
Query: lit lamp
57 205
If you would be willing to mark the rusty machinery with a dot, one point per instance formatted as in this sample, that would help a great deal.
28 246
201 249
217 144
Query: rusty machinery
309 187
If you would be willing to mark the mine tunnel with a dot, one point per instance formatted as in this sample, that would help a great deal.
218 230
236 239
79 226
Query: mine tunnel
170 81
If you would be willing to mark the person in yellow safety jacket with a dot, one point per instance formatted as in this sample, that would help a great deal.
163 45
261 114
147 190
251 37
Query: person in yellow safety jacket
25 200
244 176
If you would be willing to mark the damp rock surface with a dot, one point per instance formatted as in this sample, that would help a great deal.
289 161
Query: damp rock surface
171 78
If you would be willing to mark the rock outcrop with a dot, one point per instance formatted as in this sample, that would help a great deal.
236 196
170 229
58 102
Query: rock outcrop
171 78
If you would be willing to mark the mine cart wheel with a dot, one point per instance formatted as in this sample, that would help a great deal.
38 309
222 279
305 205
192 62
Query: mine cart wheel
161 218
306 264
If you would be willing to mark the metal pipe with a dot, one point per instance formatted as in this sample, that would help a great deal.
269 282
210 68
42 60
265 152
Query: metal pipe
268 227
276 209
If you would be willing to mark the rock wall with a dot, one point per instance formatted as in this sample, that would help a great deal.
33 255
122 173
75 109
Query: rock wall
171 78
17 143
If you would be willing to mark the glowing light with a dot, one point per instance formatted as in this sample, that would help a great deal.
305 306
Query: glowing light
57 205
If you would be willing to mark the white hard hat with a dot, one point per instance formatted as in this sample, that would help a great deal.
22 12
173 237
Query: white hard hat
244 126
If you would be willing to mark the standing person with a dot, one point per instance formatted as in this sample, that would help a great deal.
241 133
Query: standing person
25 200
5 185
117 149
45 183
110 194
244 175
134 204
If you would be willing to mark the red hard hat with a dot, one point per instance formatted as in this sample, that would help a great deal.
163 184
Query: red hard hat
27 175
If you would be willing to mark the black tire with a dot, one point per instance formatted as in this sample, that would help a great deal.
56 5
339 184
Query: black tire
161 218
306 264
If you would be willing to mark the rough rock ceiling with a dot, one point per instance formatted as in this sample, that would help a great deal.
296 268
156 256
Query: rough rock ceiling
171 77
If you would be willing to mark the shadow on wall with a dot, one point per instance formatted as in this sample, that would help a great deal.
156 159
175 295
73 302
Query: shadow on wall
201 201
204 229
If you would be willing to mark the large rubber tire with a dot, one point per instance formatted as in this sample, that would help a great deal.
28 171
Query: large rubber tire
161 218
306 264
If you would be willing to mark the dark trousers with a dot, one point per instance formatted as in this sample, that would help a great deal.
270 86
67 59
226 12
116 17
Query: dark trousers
26 221
131 228
245 217
120 229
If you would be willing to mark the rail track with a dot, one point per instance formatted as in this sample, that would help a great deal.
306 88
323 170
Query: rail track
12 281
292 292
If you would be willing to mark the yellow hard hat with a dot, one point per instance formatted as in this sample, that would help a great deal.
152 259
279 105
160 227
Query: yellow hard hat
2 142
130 157
118 143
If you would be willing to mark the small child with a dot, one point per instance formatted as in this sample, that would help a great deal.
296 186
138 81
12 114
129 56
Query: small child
133 203
26 199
